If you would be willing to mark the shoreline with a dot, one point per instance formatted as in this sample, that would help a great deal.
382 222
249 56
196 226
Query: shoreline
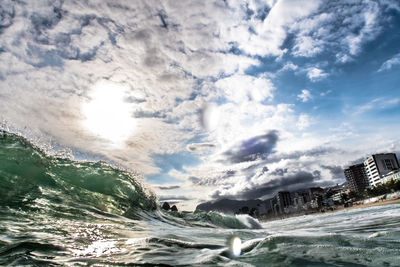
339 208
368 205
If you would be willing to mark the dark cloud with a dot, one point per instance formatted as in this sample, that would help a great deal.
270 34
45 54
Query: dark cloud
293 182
217 195
228 206
135 100
194 180
258 147
170 187
144 114
336 171
261 168
200 147
162 19
279 172
230 173
358 161
315 152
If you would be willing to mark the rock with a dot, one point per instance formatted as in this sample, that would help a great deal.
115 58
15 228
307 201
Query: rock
174 208
166 206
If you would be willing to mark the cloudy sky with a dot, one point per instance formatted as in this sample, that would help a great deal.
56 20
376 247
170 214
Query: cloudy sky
206 99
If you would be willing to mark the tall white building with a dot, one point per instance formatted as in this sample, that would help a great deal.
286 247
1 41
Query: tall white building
378 165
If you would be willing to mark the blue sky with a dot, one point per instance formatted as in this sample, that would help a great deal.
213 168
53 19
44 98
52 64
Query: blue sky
206 99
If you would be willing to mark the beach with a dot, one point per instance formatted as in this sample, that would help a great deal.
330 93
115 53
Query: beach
368 205
381 202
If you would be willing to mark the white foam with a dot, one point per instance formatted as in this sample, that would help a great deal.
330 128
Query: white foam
249 221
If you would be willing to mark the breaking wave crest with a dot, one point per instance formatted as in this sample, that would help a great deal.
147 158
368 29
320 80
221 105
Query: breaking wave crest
216 219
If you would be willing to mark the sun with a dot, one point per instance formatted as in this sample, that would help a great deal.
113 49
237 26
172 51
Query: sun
107 114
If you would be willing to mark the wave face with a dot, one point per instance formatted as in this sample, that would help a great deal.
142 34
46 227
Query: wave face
57 211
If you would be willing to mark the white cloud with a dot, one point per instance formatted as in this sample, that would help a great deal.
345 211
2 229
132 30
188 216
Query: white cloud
388 64
307 46
289 66
315 74
238 88
53 54
305 95
268 35
303 122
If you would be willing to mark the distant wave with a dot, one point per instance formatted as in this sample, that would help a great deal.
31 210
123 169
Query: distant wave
202 218
249 221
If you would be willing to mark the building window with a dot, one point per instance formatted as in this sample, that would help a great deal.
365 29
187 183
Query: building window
388 164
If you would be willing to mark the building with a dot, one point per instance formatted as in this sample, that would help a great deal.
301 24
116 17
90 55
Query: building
316 202
378 165
329 191
338 197
263 208
274 206
313 192
394 175
356 178
301 198
284 200
281 201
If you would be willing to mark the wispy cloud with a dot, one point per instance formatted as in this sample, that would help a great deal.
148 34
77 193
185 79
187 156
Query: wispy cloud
388 64
377 104
327 92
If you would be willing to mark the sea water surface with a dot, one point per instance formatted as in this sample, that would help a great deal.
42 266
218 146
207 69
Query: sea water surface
56 211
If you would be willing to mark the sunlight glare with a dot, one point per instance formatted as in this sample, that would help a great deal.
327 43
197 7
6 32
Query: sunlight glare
210 116
107 115
235 246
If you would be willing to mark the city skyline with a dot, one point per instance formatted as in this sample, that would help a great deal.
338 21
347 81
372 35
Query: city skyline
206 100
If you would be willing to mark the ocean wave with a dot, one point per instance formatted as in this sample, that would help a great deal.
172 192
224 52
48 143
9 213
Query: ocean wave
215 219
33 180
